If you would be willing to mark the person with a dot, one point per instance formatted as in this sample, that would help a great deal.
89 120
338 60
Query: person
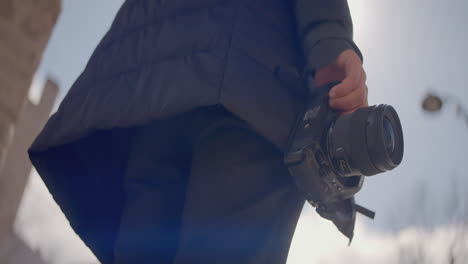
168 147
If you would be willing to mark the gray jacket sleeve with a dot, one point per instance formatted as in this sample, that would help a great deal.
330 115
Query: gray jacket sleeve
325 30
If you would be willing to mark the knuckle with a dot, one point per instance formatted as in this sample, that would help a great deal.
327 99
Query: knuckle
362 91
356 77
364 100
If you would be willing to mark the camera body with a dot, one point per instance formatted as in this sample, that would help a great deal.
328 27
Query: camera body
329 154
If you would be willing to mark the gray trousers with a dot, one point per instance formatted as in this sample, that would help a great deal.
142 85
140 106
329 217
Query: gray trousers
203 187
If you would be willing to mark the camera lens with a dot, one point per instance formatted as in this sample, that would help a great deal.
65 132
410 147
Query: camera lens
366 142
384 137
389 135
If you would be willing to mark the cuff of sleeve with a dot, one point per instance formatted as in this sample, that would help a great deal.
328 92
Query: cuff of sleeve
325 52
325 42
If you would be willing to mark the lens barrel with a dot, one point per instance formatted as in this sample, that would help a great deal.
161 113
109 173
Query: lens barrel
366 142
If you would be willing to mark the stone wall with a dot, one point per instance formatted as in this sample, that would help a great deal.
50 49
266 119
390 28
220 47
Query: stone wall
25 28
16 171
17 167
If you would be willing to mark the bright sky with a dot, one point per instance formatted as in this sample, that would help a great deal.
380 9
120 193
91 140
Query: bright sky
409 47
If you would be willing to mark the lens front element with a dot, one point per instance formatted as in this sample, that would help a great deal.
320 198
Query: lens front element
389 136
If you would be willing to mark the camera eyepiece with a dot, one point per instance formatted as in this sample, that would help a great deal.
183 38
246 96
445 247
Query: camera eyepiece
366 142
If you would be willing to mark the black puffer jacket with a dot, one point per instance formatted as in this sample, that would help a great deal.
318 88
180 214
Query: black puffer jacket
160 58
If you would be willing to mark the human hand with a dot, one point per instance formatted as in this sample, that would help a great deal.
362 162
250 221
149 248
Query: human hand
351 93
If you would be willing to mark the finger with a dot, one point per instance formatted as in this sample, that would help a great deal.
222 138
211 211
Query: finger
354 100
355 108
353 75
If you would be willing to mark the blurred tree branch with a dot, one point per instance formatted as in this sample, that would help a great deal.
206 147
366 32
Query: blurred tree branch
423 212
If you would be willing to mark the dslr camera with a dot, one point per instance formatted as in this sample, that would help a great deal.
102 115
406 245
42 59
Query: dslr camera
330 154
